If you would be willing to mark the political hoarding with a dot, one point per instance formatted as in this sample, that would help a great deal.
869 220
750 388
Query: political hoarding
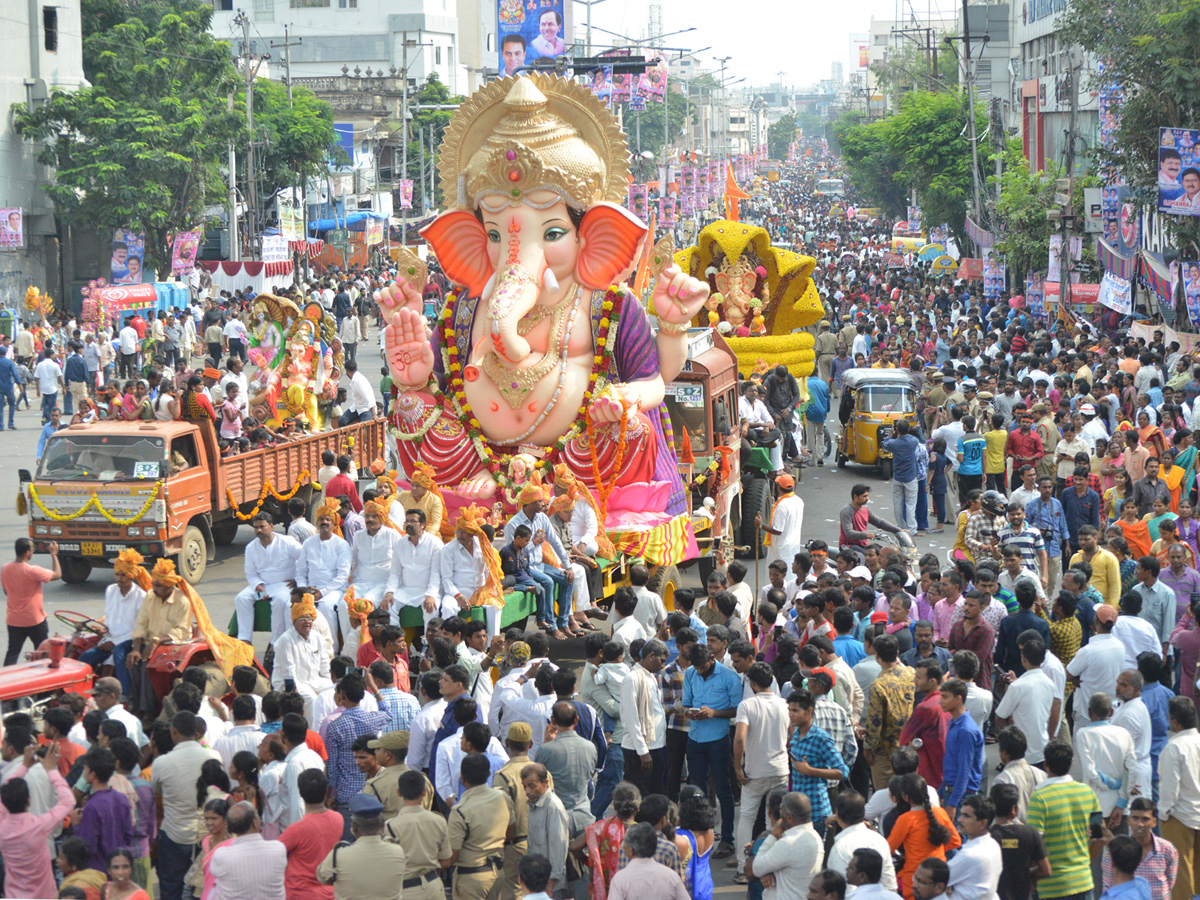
1179 171
531 31
12 227
128 248
183 251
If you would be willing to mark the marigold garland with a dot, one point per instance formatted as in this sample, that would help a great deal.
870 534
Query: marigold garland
268 488
94 500
603 492
460 407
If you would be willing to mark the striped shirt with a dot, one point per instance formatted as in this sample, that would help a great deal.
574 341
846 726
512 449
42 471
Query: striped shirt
1028 542
1061 809
401 708
670 680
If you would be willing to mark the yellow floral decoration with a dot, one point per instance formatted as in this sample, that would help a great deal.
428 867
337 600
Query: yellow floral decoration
267 488
94 501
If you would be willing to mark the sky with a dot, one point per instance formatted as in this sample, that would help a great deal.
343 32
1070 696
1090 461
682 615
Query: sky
763 38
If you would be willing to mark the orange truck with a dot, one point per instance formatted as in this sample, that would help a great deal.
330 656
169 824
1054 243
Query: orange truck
164 489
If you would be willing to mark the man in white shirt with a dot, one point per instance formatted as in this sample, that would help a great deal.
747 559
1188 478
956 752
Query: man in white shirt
244 735
106 692
324 566
627 628
1107 759
1134 633
1095 667
128 341
270 572
416 577
360 397
450 756
514 706
122 603
173 778
975 868
294 734
373 549
301 657
1131 715
426 723
855 835
235 375
1028 701
49 377
792 851
1179 791
649 612
462 570
864 872
760 757
644 742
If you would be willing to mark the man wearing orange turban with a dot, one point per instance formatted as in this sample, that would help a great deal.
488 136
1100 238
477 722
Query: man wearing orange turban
324 564
372 550
562 511
470 571
423 494
787 520
532 500
122 603
165 617
301 657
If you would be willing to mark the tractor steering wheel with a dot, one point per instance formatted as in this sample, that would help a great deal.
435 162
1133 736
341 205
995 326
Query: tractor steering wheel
80 622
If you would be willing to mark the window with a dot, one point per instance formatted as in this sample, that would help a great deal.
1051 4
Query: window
311 4
264 11
437 55
50 28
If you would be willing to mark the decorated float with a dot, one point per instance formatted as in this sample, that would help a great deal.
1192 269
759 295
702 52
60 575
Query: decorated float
760 297
543 369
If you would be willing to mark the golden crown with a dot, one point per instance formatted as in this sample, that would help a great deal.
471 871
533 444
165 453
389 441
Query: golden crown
529 133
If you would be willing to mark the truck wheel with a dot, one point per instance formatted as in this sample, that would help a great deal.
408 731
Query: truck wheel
74 569
885 469
193 558
664 582
224 532
756 499
706 566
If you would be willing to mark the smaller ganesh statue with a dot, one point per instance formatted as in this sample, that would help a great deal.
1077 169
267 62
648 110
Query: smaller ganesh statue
742 292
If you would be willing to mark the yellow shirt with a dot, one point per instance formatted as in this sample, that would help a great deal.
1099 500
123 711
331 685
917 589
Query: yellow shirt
1106 575
164 620
429 504
995 451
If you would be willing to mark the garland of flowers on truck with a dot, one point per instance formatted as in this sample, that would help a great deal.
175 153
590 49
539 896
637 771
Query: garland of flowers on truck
94 500
268 488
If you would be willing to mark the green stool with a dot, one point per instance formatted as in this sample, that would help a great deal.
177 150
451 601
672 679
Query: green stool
262 617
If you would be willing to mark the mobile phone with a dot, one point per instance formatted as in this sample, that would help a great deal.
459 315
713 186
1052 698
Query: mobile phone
289 684
360 671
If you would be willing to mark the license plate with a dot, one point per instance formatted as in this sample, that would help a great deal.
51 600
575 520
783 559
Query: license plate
92 548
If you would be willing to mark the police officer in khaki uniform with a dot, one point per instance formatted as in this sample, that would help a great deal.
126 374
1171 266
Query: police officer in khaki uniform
478 824
424 837
824 348
508 782
391 750
370 868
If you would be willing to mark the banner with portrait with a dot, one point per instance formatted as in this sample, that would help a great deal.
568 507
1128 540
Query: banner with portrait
531 31
1054 263
702 195
374 232
1035 295
1191 289
652 84
1116 293
637 201
128 248
1179 171
406 193
291 219
602 83
687 204
275 249
993 275
12 232
666 210
183 251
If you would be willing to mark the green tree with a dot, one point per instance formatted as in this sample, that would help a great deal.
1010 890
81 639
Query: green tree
1152 52
294 138
432 93
780 136
871 162
141 147
908 68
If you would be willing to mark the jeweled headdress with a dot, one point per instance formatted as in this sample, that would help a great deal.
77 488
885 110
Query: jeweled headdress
529 133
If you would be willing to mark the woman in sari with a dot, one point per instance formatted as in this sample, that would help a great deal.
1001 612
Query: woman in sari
1186 526
1161 510
1185 459
602 839
1115 496
1172 474
121 885
1150 436
1135 531
1113 460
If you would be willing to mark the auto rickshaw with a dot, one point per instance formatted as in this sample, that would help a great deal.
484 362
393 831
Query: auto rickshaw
873 400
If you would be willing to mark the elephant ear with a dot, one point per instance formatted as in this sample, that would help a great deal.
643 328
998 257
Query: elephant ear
460 243
612 238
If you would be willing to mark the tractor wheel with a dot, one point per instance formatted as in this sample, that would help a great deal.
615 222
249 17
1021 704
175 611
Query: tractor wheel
193 558
756 500
75 570
664 582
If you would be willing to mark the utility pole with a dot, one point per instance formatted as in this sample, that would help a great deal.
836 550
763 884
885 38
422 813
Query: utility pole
251 74
1066 257
234 248
970 76
589 4
432 195
287 45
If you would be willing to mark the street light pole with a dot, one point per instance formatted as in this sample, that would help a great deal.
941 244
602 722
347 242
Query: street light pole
589 4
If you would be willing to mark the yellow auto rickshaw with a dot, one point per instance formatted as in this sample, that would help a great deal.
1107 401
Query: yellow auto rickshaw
873 400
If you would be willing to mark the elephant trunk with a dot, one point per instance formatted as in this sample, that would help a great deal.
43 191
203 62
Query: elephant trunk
515 293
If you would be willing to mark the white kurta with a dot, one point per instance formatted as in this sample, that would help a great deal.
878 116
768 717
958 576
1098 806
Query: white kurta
372 567
787 518
584 527
272 566
415 573
325 565
462 571
121 611
305 661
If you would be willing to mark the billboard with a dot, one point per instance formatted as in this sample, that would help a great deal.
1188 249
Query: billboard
291 219
274 248
374 232
12 228
1179 171
531 31
183 252
1116 293
860 51
1191 288
127 252
993 277
1054 267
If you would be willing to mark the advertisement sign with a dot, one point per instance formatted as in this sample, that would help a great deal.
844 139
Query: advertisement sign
274 248
127 250
993 277
291 219
943 265
1179 171
1054 267
531 31
183 251
914 220
637 201
860 51
1117 294
406 193
1191 289
652 84
602 83
1035 295
374 233
12 230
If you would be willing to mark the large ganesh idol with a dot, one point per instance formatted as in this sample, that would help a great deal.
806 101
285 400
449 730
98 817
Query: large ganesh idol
542 352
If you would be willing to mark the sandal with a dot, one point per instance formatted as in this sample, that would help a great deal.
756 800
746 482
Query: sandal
558 635
740 878
938 531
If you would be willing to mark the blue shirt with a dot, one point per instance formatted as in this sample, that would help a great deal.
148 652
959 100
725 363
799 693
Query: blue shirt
1156 697
904 457
962 763
47 430
722 689
849 649
1138 889
8 375
818 400
818 748
972 447
1079 511
1049 517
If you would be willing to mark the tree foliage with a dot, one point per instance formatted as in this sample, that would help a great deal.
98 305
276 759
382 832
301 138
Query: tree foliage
780 136
1151 51
908 68
294 140
872 163
142 145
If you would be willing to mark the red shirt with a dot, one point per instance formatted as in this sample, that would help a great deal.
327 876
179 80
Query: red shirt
308 842
22 582
1025 449
341 484
368 653
929 723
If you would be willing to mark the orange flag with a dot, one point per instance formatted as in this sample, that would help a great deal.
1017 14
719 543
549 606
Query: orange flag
733 194
641 280
685 448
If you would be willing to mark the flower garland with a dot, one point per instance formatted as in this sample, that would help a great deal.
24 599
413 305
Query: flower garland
94 500
460 407
705 474
605 491
262 497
